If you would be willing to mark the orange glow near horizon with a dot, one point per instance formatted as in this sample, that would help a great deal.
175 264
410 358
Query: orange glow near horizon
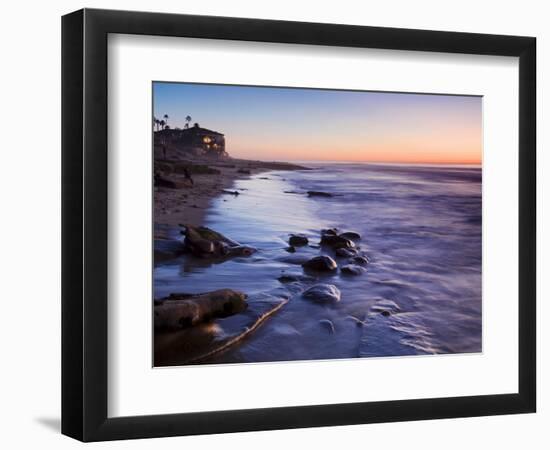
325 125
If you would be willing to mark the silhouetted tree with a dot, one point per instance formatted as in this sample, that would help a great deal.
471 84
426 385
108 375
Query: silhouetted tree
166 119
188 119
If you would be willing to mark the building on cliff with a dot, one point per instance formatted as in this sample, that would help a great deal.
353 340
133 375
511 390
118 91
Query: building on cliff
194 141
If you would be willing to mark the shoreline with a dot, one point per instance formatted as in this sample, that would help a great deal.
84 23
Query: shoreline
189 203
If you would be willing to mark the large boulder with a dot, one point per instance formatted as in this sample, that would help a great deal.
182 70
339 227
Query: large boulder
321 263
207 243
179 311
323 293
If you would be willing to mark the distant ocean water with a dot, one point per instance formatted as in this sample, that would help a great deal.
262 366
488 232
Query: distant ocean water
420 227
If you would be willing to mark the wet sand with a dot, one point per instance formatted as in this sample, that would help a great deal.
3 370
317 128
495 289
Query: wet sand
189 204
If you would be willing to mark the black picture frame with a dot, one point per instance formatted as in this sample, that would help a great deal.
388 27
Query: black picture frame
84 224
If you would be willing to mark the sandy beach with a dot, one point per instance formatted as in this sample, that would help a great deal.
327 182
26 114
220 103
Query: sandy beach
188 203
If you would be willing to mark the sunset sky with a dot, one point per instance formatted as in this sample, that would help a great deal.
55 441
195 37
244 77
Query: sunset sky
328 125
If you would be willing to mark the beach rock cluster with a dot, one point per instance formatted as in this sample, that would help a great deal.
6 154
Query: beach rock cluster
207 243
343 246
179 311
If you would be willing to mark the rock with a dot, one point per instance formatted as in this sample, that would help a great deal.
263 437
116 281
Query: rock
336 241
323 293
184 310
290 249
199 343
319 194
226 191
321 263
204 242
328 325
359 260
352 269
351 235
345 252
197 244
297 240
244 171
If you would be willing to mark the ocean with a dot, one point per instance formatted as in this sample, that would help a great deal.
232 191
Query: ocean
420 228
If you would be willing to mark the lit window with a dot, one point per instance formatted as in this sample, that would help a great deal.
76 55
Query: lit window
206 140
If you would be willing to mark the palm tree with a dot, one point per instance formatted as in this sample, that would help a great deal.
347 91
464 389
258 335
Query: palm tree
155 123
166 119
188 119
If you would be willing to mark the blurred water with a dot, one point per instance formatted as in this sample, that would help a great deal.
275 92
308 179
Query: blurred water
420 226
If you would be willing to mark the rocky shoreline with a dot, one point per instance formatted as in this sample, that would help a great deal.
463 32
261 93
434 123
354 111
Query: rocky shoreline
186 329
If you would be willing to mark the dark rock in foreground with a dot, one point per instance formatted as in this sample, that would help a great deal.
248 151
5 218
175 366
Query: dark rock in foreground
321 263
207 243
198 343
184 310
297 240
323 293
352 269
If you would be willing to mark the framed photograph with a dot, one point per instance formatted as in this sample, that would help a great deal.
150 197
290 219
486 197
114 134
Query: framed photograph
273 224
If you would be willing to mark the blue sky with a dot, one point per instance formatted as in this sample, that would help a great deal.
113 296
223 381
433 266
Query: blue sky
313 124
